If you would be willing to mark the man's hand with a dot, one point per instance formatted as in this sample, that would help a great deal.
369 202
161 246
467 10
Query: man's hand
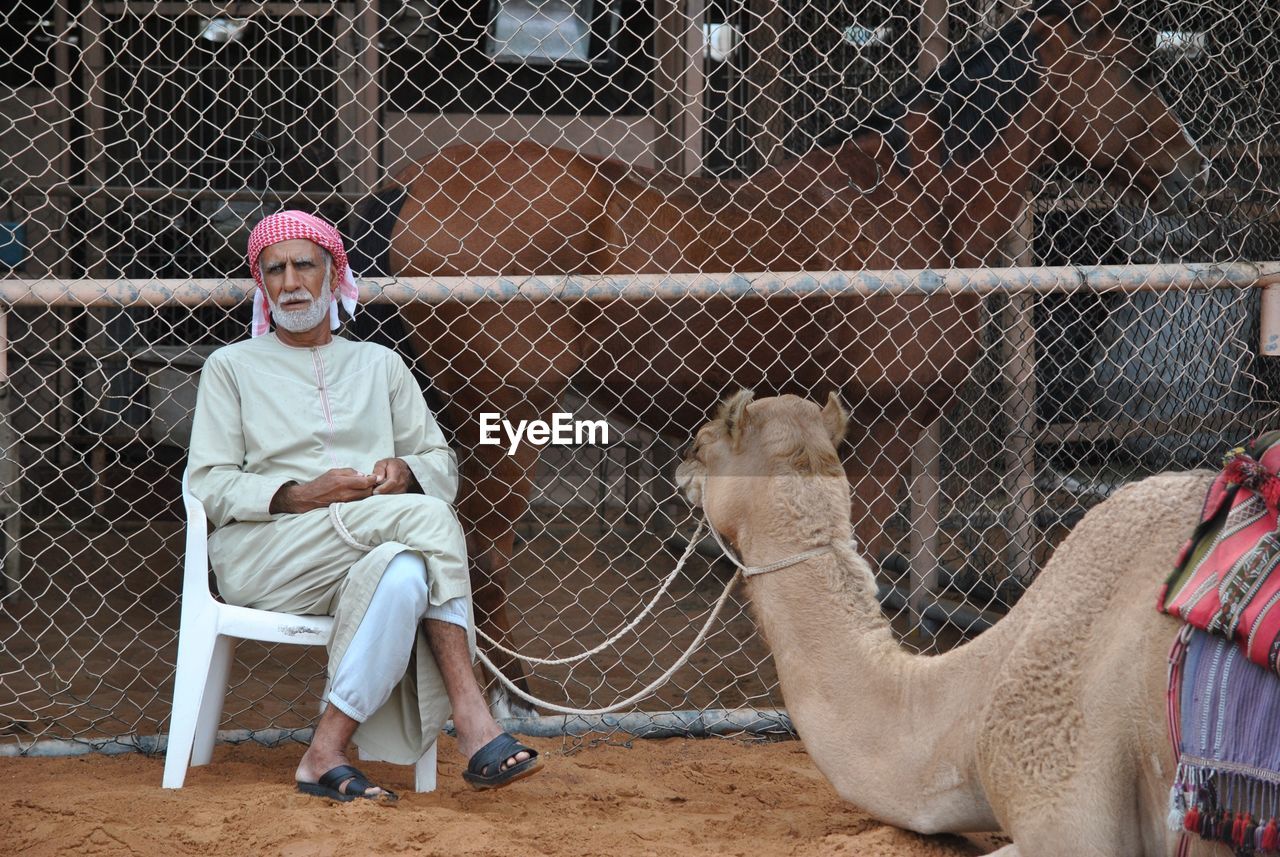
342 485
393 476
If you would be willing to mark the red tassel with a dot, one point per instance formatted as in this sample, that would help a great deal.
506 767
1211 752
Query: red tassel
1237 830
1270 492
1192 823
1270 835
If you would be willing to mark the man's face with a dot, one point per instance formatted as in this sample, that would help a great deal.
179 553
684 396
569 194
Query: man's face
295 274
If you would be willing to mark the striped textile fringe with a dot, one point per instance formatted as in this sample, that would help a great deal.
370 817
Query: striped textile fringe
1218 800
1177 794
1228 807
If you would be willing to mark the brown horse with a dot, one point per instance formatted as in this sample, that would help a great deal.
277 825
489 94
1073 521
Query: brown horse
938 178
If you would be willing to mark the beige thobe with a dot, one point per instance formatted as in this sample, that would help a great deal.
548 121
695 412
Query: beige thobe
269 413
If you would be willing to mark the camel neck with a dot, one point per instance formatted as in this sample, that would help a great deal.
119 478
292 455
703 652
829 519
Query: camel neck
893 732
978 234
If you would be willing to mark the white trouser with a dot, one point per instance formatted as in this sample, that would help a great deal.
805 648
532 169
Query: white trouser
378 655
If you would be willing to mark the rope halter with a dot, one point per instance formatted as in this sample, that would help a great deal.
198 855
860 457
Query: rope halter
753 570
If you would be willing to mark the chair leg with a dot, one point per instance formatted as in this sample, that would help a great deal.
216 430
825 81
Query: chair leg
215 692
195 656
424 773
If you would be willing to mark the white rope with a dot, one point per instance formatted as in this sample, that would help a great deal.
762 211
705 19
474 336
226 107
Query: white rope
743 572
626 703
648 608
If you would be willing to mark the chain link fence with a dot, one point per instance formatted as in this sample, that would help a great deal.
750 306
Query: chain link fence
641 149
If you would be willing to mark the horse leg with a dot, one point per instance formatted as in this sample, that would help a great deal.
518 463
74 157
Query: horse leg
880 471
496 490
491 543
875 472
513 360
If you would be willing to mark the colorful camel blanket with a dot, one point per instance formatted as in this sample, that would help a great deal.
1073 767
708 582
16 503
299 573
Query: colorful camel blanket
1227 579
1224 717
1224 695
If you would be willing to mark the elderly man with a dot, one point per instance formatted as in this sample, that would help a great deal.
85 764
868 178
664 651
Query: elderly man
330 486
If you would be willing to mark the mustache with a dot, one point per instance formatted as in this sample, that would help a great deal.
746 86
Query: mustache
298 295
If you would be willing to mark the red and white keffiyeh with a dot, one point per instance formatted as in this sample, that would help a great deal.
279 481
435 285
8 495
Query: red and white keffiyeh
287 226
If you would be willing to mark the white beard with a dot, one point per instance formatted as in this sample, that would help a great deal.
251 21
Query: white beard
302 320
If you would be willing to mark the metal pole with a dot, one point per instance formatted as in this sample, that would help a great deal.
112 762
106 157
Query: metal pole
357 86
926 514
926 460
1269 323
1018 368
693 87
666 103
767 85
772 722
569 288
10 508
120 193
370 98
935 36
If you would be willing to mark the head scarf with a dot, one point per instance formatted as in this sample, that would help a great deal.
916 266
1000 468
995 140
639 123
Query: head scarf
287 226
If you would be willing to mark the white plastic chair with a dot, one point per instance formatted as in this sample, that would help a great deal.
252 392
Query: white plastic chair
207 637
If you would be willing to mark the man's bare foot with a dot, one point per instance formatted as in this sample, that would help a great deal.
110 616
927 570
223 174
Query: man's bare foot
315 764
327 752
494 758
478 728
492 767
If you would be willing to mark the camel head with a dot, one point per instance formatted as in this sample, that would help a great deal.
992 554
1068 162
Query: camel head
761 464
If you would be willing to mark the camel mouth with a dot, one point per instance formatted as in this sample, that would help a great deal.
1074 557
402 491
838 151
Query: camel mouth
689 482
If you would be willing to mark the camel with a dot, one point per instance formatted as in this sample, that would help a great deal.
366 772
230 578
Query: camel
1051 726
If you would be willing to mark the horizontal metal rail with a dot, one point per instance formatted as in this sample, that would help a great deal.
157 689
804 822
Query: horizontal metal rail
186 194
607 287
766 722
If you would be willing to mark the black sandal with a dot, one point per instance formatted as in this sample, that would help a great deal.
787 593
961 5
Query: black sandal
485 771
331 783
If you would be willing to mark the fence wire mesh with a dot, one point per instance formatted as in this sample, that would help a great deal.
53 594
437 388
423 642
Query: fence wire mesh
501 138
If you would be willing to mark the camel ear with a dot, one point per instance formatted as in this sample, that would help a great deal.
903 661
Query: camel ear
835 419
733 412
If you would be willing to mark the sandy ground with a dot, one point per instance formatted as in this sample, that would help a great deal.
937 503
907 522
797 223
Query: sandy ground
668 798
